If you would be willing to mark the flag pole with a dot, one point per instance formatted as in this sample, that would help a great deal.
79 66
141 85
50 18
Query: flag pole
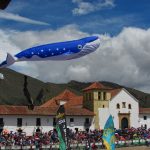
61 126
67 139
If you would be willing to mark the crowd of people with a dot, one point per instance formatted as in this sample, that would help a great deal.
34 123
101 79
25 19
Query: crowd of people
20 138
132 133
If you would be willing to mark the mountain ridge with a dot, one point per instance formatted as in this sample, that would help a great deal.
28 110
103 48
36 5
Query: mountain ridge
43 91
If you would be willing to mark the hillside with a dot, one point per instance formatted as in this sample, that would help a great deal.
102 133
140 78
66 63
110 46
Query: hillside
11 89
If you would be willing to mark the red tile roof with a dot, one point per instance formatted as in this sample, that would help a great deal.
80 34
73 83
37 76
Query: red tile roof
78 112
43 111
23 110
96 85
114 92
65 95
71 99
68 96
144 111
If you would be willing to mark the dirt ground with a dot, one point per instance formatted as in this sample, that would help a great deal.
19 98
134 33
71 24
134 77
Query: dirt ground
135 148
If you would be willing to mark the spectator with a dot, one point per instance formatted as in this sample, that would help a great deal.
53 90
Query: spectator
49 138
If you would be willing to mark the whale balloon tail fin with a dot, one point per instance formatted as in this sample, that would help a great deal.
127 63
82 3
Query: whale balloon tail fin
9 61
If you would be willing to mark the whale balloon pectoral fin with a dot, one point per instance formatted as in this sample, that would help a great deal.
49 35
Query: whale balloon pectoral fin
9 61
67 53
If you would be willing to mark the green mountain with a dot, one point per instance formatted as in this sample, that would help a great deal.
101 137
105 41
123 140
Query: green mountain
11 89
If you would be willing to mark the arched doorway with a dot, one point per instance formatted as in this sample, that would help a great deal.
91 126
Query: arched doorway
124 123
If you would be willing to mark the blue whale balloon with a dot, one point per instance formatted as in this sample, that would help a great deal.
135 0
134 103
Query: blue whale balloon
55 51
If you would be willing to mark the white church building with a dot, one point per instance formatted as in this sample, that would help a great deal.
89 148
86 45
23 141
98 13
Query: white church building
89 111
125 111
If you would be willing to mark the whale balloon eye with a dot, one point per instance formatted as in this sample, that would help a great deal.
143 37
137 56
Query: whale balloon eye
79 46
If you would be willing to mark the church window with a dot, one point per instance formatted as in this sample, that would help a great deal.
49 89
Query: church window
71 120
1 122
38 121
129 106
123 104
104 95
54 121
19 122
145 117
86 96
99 95
118 106
87 120
90 96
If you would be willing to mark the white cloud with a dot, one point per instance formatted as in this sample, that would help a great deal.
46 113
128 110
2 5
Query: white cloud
86 7
78 72
123 59
15 17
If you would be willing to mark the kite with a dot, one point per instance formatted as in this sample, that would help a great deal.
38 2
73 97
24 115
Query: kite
4 4
55 51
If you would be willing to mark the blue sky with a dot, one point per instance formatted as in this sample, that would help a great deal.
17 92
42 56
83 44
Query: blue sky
108 19
122 25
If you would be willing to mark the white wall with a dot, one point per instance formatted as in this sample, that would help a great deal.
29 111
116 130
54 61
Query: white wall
143 122
103 116
29 123
79 122
124 96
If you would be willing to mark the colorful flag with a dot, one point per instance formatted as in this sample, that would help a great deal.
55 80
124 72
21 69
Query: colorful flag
109 134
61 127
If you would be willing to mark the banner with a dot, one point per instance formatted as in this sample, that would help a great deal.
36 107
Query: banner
109 134
61 127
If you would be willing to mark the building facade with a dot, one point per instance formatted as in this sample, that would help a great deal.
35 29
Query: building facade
119 103
144 118
89 111
14 118
125 110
